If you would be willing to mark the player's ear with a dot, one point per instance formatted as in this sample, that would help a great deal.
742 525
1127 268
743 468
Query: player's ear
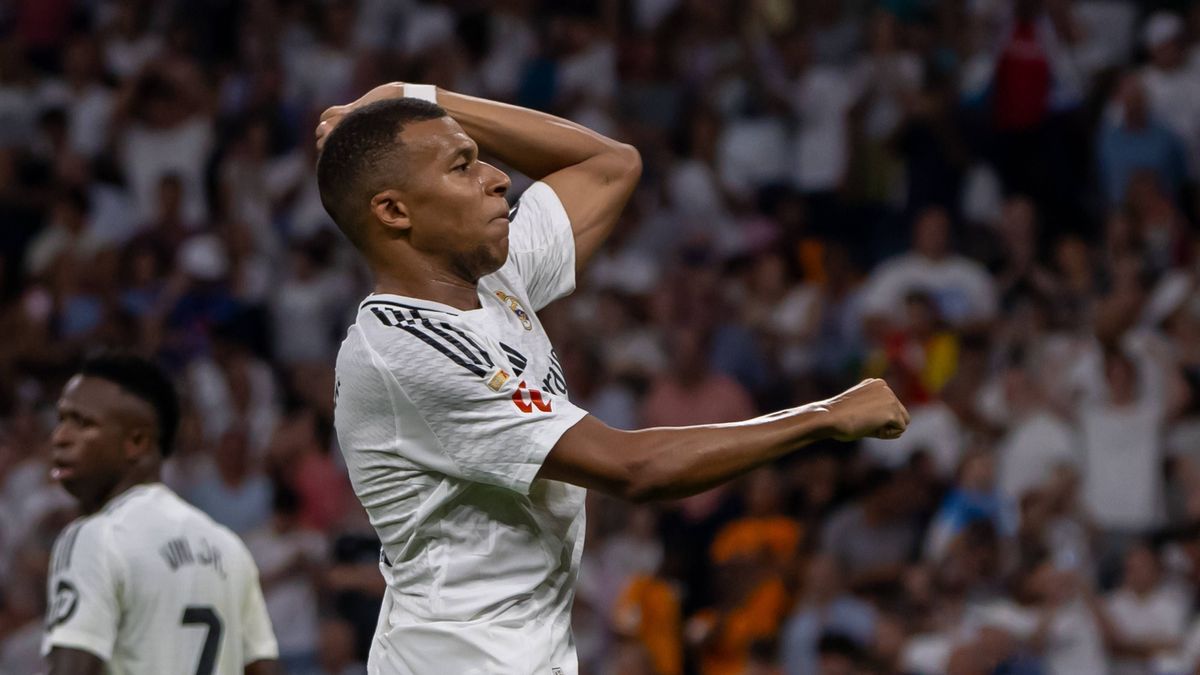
391 210
139 442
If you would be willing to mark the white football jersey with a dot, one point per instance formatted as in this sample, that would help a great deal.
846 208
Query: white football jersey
152 586
444 417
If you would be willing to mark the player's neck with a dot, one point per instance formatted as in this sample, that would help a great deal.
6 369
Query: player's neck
429 284
129 481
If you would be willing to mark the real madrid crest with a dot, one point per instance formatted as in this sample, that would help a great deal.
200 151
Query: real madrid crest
515 306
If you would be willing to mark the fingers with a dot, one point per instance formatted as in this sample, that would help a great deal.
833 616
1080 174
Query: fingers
322 132
889 432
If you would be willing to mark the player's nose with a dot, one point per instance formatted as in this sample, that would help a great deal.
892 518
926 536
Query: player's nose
495 181
61 437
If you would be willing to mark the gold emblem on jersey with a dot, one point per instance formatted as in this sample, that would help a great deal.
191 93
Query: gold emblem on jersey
496 381
515 306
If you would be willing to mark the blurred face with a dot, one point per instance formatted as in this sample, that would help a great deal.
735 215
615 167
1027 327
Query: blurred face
978 473
454 203
80 60
102 429
1168 54
1141 570
822 577
1018 227
883 31
933 234
1133 98
688 358
764 493
1122 380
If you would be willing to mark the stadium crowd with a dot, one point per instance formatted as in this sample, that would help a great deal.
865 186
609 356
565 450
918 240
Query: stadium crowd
992 204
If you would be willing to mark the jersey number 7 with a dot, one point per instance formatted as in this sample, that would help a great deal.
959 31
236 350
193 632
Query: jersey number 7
206 616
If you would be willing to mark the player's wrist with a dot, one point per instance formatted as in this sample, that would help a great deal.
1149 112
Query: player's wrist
822 421
425 92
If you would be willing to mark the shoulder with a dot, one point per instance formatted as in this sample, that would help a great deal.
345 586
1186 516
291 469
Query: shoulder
398 337
87 534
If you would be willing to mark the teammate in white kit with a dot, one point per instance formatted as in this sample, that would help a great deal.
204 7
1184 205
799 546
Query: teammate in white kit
452 408
143 583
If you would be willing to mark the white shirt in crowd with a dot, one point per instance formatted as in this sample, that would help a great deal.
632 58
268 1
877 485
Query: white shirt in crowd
152 586
1122 467
1032 448
147 155
1175 99
933 429
962 288
1073 645
291 600
445 417
1161 615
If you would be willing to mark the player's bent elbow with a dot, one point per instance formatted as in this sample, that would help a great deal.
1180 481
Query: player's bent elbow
620 164
630 162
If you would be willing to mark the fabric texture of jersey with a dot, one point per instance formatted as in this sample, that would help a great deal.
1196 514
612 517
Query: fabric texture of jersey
445 417
153 586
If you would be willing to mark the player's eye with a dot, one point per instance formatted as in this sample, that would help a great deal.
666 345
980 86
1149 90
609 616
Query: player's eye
462 168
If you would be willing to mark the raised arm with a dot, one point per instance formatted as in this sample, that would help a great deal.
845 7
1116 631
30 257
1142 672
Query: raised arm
668 463
592 175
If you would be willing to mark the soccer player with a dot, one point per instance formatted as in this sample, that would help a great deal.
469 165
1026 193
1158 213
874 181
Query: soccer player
452 407
143 583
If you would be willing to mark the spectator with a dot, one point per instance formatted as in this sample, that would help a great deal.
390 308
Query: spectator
1052 617
964 293
1037 439
1122 442
1171 86
874 538
974 497
1146 614
824 608
289 558
163 126
234 492
1137 140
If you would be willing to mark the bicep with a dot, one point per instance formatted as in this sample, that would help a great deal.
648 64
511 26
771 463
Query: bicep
262 668
594 193
68 661
591 455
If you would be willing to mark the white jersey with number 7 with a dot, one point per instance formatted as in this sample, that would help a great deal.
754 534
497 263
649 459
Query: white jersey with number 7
152 586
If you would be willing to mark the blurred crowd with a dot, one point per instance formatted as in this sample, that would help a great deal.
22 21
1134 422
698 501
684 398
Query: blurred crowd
992 204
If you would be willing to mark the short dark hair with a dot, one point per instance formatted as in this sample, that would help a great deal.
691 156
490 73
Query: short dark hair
145 380
348 170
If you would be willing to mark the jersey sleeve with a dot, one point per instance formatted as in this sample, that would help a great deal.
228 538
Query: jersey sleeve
461 411
541 245
84 590
258 637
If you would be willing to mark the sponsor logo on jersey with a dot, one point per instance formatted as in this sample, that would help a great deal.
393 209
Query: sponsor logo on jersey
515 306
496 380
527 400
62 608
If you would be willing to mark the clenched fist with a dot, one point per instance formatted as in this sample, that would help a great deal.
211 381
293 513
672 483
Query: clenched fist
866 409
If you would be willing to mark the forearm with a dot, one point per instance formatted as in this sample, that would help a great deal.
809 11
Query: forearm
666 463
681 461
535 143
